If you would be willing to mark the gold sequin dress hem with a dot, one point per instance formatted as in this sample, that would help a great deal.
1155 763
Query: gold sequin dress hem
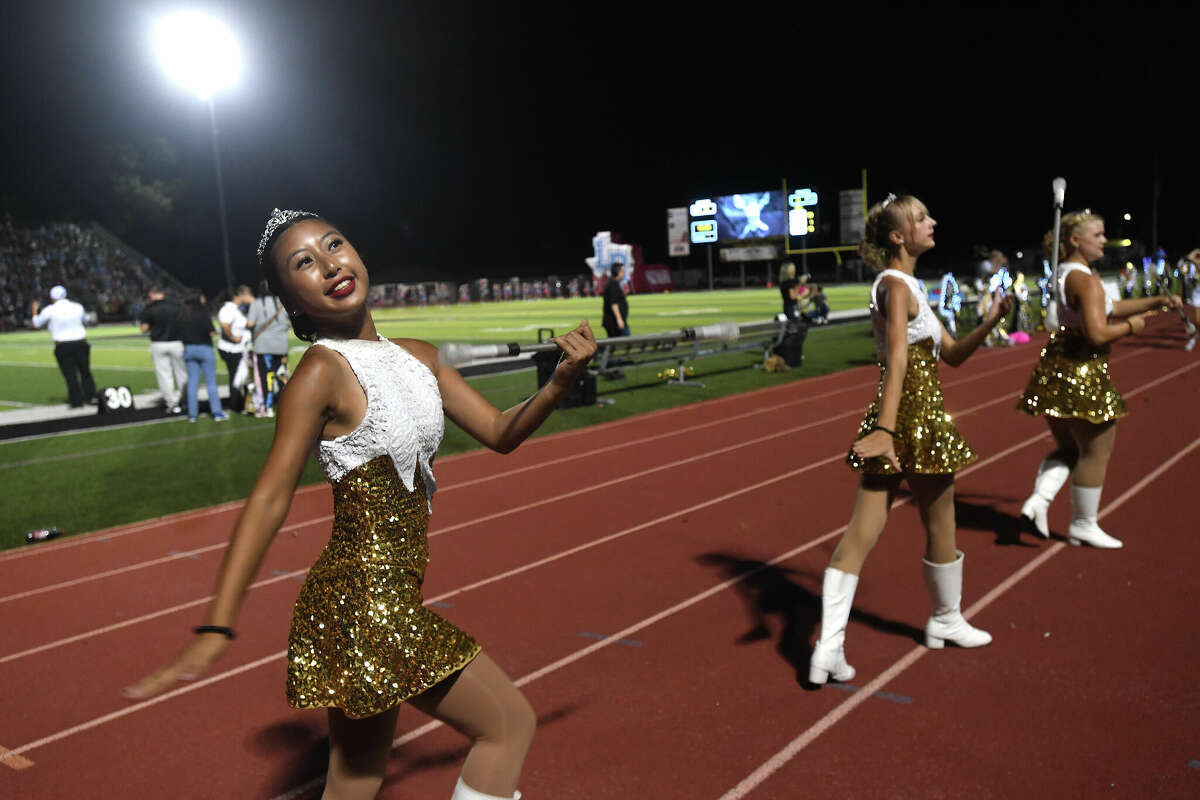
1071 381
361 638
926 441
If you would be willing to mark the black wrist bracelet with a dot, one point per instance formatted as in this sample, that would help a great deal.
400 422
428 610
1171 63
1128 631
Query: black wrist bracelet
888 431
228 633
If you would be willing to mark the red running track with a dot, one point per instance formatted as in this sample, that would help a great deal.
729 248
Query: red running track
653 585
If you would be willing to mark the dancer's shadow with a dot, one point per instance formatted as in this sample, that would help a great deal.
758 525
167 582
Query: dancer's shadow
770 590
300 746
978 512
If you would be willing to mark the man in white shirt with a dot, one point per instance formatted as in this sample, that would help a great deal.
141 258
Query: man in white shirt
65 318
235 339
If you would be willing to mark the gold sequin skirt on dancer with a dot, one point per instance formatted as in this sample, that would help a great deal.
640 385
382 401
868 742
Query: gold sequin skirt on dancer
1071 381
926 441
361 640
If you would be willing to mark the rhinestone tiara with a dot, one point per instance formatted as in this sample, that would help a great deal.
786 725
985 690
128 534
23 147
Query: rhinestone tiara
277 219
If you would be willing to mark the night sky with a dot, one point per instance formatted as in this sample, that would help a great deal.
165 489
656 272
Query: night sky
455 140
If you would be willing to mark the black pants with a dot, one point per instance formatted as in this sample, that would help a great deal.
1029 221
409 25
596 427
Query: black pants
237 397
74 360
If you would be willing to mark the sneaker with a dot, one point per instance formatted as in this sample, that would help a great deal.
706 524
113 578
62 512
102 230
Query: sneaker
220 418
174 411
191 419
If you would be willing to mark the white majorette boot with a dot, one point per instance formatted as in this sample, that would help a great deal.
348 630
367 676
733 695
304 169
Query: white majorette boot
1051 476
947 623
1085 504
464 792
828 656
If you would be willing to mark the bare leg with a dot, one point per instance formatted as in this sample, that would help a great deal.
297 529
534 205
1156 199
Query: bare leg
483 703
871 506
1087 483
358 754
1052 473
1095 443
943 565
935 501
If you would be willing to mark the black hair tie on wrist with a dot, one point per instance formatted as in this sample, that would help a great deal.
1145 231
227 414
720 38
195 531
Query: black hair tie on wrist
889 432
228 633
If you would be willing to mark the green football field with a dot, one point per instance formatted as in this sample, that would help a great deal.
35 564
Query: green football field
120 353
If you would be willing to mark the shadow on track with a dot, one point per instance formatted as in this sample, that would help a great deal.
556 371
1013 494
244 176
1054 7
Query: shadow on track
979 513
774 591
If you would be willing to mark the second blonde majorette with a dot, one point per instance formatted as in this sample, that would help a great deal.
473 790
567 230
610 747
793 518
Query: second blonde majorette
905 434
1070 386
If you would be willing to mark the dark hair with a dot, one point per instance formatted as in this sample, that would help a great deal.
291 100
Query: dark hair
304 328
192 304
616 268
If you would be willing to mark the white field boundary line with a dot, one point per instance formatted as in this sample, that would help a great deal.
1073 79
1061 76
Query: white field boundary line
125 447
781 758
478 520
16 755
170 519
95 367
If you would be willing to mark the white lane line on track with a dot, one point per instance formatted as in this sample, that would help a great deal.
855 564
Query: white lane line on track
562 662
170 519
571 658
486 518
793 748
625 633
144 564
510 573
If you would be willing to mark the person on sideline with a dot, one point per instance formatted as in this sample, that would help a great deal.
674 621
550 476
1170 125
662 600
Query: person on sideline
362 642
787 290
71 348
234 342
905 434
196 332
616 306
160 319
269 349
1070 385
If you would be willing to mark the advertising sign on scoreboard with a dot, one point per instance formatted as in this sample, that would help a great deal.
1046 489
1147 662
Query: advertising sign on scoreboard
678 232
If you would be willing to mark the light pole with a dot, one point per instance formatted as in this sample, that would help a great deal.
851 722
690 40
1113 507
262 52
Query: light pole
199 53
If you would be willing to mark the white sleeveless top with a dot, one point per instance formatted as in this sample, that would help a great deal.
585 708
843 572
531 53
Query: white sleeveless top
1069 317
923 326
404 417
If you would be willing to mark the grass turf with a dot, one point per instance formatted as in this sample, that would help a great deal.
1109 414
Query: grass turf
101 478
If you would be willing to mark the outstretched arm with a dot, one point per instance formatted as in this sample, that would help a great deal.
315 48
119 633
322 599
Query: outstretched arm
503 431
1097 328
956 351
302 412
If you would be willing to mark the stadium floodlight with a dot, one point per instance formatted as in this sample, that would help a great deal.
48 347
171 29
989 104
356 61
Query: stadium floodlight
198 52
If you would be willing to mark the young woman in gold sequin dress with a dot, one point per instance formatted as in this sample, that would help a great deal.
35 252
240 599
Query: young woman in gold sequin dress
361 640
1070 386
905 434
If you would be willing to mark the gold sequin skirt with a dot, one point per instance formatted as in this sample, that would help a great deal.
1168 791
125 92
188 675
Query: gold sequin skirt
361 639
926 441
1071 381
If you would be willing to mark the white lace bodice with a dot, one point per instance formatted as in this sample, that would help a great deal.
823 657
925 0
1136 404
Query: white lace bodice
403 418
923 326
1068 317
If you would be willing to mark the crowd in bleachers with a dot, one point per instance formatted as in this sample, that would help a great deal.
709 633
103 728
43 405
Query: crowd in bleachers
107 279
